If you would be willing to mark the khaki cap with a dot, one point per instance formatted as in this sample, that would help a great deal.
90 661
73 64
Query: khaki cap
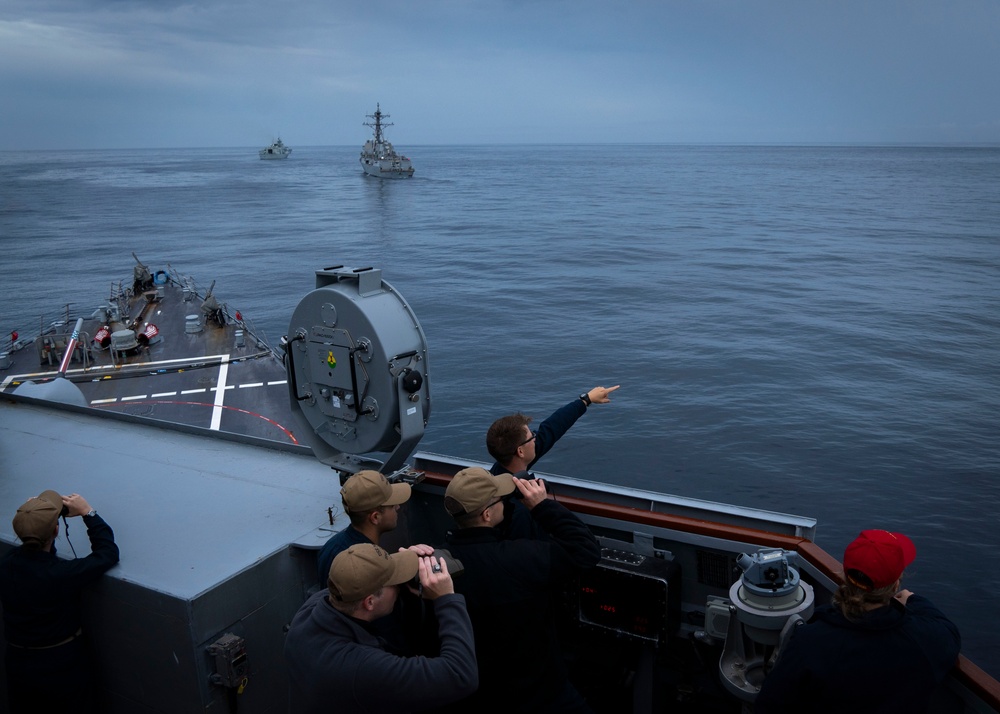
36 518
368 490
475 488
364 569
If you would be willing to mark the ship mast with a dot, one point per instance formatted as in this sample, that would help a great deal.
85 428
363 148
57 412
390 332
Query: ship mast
377 125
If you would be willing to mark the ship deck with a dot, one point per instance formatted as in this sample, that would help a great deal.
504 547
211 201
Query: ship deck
218 377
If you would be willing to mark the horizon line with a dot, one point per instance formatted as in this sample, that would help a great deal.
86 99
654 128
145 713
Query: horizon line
760 144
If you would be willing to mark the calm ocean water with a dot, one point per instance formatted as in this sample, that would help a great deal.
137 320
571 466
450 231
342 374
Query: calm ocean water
808 330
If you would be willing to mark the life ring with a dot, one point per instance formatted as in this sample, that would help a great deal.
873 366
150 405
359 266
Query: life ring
160 277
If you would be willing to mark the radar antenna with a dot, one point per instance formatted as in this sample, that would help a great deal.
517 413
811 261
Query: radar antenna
377 125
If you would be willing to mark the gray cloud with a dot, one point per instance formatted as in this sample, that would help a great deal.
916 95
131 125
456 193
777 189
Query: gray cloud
132 73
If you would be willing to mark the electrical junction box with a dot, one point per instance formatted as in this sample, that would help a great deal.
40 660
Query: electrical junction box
717 617
231 666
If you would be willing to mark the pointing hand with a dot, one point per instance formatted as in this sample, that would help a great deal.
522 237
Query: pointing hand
601 395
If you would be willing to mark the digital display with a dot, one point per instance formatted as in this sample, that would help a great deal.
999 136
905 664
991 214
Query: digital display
625 603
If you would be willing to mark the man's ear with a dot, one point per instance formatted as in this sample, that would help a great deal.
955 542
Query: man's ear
368 603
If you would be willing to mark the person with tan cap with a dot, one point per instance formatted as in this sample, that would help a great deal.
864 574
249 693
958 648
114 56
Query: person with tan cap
509 586
336 661
40 593
372 504
876 649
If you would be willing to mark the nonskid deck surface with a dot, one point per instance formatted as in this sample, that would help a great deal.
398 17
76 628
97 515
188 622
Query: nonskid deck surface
241 396
210 378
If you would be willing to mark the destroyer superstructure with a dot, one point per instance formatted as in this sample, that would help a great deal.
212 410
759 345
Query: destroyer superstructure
378 157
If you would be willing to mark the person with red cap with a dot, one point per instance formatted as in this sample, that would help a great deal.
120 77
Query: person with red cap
877 648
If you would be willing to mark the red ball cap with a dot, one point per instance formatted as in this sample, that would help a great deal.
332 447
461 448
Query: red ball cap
879 555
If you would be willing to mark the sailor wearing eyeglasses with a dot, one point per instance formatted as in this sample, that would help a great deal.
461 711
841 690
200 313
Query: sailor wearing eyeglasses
516 448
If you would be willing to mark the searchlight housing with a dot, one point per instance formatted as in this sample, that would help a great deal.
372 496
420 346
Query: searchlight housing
356 359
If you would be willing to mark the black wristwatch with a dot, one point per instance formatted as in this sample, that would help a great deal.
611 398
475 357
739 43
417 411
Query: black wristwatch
585 398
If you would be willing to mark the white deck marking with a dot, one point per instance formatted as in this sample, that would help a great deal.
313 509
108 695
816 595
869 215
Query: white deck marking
187 391
217 409
220 393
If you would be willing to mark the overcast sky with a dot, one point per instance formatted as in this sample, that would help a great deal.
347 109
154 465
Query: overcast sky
218 73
